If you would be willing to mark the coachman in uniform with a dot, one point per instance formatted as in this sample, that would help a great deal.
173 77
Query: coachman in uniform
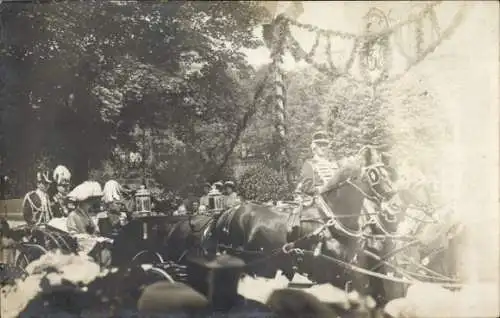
318 170
36 204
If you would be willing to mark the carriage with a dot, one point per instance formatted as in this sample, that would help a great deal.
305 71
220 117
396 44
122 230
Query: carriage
145 242
133 245
138 243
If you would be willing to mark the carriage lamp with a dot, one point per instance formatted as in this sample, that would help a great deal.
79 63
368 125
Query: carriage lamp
143 201
215 200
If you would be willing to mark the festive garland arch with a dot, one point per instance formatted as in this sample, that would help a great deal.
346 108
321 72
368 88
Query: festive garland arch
372 50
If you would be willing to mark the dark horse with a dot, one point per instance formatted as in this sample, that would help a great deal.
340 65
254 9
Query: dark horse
257 233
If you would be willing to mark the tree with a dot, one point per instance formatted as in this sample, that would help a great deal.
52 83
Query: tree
94 72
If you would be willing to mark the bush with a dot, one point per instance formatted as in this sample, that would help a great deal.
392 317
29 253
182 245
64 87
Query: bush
263 184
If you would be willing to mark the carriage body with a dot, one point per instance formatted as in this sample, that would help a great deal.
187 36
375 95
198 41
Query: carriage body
31 242
142 242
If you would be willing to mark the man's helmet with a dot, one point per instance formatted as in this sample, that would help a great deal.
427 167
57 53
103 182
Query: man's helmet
61 175
43 176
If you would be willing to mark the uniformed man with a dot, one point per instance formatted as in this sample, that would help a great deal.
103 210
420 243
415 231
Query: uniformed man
231 199
318 170
36 204
62 179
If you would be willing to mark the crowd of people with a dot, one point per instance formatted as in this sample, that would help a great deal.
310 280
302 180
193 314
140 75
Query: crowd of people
226 191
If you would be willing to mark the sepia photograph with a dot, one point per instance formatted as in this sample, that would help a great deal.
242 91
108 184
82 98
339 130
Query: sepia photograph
249 159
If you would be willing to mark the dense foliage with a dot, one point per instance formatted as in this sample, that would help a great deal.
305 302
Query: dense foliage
79 80
263 184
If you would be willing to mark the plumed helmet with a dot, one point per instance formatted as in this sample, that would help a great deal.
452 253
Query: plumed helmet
112 191
61 174
85 191
43 176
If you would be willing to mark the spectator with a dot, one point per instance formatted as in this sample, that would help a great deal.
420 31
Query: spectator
195 207
231 199
206 190
182 209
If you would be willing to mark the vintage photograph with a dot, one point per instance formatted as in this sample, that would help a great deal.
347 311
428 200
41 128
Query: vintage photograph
249 159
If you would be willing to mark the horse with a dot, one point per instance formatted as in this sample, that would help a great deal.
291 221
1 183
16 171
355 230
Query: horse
438 232
257 233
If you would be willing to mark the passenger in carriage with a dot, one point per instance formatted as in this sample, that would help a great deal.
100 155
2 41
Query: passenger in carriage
87 197
117 202
36 204
231 198
62 179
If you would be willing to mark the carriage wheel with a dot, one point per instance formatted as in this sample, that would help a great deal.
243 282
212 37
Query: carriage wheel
157 274
28 254
146 257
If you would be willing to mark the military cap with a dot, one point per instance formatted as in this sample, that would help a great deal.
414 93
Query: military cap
320 136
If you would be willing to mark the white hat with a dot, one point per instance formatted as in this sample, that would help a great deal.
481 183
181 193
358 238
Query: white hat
86 190
61 173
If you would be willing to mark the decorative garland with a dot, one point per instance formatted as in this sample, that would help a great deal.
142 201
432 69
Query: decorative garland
372 48
367 43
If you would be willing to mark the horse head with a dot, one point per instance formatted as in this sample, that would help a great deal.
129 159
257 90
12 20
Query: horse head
376 174
365 177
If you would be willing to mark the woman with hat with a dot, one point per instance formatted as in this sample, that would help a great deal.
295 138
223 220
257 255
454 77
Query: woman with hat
36 204
62 179
231 199
87 197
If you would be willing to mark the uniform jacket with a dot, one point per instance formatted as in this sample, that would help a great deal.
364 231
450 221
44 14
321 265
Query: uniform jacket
315 173
36 207
59 206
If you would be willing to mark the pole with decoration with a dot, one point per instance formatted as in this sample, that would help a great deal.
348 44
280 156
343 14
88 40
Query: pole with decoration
275 37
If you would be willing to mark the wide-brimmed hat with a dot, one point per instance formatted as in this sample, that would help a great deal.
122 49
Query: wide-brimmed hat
229 184
85 191
218 184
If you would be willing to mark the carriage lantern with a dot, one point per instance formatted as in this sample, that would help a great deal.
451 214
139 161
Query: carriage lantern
143 201
215 200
